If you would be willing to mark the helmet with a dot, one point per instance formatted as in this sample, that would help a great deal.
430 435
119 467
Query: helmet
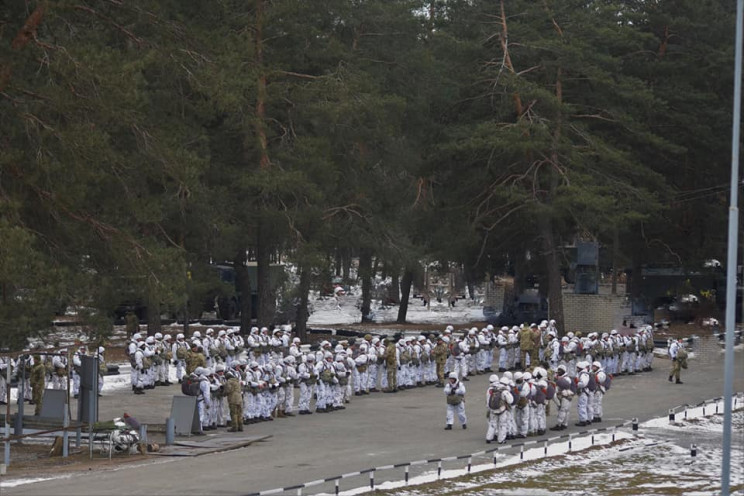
562 369
328 355
518 376
219 367
167 337
504 380
253 364
489 327
564 339
101 349
158 335
310 357
210 331
446 339
527 376
453 375
289 359
142 344
296 340
136 336
150 340
508 375
200 370
597 364
196 334
221 333
493 378
540 373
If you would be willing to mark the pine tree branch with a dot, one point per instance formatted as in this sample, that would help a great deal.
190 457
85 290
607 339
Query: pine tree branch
118 26
102 229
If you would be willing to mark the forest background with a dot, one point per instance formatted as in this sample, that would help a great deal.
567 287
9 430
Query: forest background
144 141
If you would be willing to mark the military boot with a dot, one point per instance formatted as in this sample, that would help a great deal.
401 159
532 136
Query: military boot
448 427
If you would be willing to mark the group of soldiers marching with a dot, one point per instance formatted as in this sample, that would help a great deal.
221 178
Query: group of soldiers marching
36 371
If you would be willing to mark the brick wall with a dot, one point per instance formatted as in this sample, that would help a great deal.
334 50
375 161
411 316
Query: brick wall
587 313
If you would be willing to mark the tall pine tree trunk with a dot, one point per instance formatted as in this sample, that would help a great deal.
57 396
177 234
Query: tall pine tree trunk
405 294
243 279
153 311
394 294
263 278
302 311
346 258
615 257
552 267
365 274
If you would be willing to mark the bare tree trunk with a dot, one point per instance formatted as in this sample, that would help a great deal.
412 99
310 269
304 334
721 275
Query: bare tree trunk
365 274
263 276
243 279
302 311
346 257
405 294
261 91
337 262
394 294
552 262
153 312
615 258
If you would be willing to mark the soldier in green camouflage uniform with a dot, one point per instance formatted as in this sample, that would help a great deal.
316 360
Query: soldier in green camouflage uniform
440 353
391 360
235 401
38 382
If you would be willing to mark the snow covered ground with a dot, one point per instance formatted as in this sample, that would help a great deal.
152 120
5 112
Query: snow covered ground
330 311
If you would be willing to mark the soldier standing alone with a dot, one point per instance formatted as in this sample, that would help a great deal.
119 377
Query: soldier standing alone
455 393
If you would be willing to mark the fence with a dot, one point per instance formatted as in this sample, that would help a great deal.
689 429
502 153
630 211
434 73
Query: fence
738 401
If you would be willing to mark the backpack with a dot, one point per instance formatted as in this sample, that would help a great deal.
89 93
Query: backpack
455 349
592 385
607 382
550 391
190 386
181 352
575 385
494 399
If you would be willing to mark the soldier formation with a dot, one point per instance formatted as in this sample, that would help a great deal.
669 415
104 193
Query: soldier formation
49 369
248 380
241 380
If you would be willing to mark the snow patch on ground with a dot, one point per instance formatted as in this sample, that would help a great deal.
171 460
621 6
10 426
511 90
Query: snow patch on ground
21 482
346 310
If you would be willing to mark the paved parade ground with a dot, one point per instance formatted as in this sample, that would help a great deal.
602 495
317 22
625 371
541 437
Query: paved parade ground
375 430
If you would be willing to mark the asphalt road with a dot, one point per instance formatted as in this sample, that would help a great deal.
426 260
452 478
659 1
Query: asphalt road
374 430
